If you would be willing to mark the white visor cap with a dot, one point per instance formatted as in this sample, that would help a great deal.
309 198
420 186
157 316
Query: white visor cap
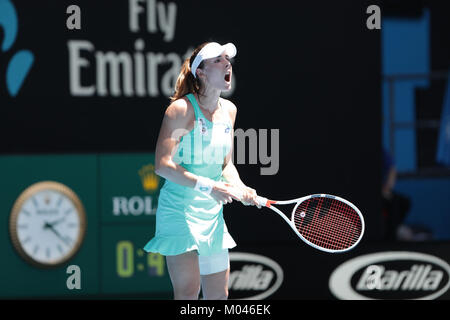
212 50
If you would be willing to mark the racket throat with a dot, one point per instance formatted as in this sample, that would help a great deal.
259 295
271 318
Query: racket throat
269 203
264 202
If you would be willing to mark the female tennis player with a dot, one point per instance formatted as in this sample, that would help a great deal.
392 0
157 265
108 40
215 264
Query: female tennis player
193 154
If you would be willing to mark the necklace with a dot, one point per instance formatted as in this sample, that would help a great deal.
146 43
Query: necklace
219 105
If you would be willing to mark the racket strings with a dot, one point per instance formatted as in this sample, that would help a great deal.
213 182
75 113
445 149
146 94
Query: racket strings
328 233
331 229
344 228
328 240
328 223
325 237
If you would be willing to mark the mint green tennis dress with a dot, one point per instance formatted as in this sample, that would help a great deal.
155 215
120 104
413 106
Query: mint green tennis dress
187 219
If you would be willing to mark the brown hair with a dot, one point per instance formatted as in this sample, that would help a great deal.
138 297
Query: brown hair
186 82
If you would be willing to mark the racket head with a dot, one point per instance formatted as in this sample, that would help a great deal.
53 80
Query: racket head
328 223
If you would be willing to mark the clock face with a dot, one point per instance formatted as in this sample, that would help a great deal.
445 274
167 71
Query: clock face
47 224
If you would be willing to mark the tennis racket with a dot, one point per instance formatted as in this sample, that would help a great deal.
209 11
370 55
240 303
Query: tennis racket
325 222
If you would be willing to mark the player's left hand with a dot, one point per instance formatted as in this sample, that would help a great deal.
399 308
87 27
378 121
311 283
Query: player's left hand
249 196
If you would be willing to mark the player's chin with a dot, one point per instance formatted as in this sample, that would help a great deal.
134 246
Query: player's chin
227 86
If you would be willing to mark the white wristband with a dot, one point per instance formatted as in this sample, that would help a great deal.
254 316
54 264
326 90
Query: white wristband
204 185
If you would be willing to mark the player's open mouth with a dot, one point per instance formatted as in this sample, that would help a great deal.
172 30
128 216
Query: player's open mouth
228 76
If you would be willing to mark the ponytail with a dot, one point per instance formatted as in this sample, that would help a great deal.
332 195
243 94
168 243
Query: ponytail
186 82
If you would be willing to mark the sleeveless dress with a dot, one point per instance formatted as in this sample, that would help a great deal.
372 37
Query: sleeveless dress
187 219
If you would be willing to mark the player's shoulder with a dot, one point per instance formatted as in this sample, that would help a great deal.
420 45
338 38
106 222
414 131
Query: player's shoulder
179 108
229 106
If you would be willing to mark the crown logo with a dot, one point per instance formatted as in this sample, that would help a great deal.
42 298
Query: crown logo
149 180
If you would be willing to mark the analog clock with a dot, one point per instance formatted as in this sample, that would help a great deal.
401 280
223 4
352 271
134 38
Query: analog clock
47 224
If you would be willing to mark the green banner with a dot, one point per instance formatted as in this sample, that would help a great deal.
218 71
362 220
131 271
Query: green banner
129 187
75 225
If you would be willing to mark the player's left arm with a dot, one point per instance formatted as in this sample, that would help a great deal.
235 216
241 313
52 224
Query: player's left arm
229 171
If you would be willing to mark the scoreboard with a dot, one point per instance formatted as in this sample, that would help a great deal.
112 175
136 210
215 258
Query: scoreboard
118 193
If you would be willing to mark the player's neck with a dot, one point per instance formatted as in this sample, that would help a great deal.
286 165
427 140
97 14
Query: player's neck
209 100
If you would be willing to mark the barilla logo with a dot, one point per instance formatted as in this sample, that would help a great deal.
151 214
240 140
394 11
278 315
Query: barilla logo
253 277
391 275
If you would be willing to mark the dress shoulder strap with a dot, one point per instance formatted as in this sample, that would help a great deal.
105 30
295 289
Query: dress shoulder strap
194 103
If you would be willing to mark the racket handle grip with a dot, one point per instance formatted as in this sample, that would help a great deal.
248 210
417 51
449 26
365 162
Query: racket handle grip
262 201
